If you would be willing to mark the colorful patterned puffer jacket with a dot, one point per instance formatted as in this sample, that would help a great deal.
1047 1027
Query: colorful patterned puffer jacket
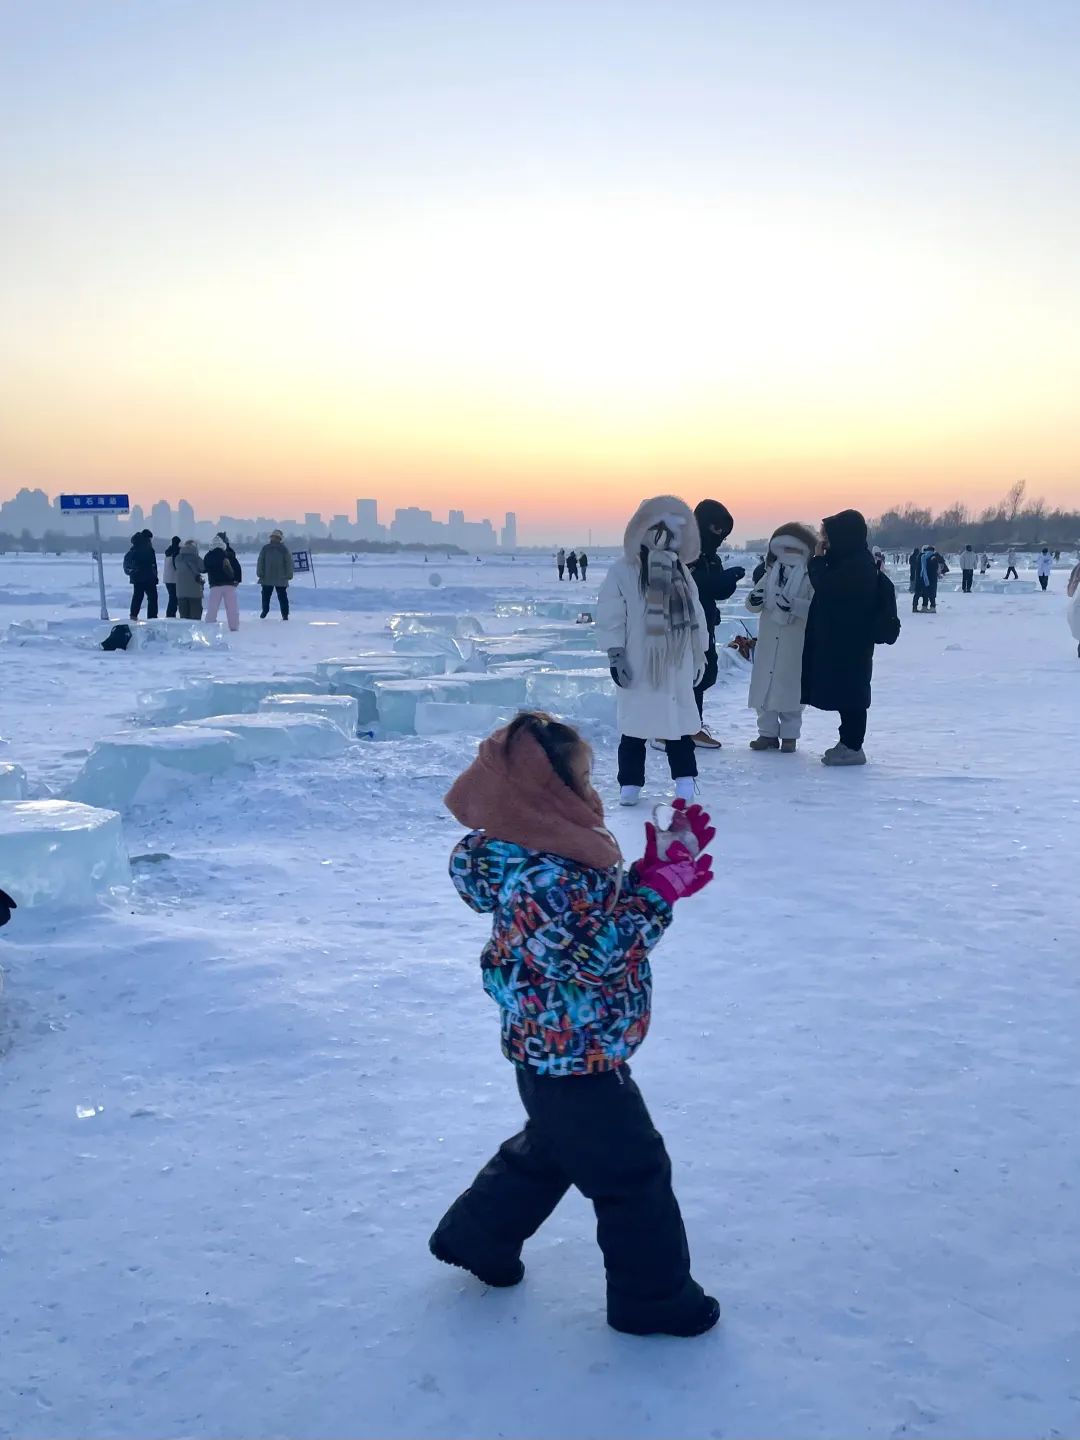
567 962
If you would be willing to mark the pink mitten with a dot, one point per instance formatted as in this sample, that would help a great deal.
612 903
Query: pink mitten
677 875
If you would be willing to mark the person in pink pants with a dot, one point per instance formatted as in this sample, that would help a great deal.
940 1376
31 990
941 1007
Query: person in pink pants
223 573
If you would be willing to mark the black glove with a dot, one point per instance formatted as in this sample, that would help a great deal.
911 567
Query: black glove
620 669
738 571
7 904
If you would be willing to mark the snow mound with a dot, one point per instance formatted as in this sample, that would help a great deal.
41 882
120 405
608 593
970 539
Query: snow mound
55 852
145 766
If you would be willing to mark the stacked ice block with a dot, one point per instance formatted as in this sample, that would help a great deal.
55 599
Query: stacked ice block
146 766
340 709
54 852
279 735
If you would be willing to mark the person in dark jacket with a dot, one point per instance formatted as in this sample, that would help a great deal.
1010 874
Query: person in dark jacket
838 653
275 570
583 564
571 566
929 570
914 560
223 574
140 566
714 583
568 966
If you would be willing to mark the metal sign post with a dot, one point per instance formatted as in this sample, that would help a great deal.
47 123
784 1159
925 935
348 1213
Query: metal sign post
97 505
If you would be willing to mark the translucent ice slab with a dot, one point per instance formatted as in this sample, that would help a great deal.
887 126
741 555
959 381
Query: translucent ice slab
458 653
396 700
157 635
450 717
12 783
489 689
53 851
576 659
341 709
201 699
417 622
546 609
279 735
145 766
584 694
327 669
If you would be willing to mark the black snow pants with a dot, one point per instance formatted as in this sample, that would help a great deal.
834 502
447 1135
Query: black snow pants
967 577
137 592
708 680
170 609
592 1131
682 759
282 600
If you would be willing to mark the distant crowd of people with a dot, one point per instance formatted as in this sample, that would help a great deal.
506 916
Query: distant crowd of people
573 565
189 577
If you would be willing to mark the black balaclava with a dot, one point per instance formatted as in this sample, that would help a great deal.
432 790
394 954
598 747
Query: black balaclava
709 513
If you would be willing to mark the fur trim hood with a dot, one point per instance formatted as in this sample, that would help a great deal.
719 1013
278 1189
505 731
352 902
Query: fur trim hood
795 531
650 513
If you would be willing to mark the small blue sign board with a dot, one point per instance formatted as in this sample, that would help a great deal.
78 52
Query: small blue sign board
301 559
118 504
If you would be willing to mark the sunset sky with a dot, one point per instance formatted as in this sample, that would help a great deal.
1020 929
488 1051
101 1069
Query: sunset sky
541 255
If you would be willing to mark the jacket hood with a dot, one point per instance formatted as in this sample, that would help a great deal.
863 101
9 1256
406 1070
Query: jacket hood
709 513
190 546
846 531
517 796
216 543
793 530
649 513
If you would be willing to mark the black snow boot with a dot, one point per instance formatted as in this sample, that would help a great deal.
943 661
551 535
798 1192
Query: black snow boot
499 1274
694 1316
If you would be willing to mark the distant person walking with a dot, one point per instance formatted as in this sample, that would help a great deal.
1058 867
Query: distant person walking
571 566
650 621
169 576
224 575
782 599
1044 566
715 582
1073 592
560 561
140 566
189 581
931 567
1012 571
853 608
913 567
984 563
967 569
275 570
583 564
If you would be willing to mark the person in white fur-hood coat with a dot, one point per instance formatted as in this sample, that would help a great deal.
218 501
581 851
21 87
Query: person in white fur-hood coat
782 599
650 621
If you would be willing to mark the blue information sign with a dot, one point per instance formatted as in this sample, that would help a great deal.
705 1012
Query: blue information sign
118 504
301 560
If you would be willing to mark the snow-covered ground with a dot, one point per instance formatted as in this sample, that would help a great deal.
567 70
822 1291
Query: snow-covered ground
236 1097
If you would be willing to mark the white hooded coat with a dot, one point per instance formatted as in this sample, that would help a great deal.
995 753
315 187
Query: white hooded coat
670 712
776 683
1044 565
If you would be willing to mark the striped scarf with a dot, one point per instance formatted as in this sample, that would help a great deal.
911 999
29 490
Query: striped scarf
670 619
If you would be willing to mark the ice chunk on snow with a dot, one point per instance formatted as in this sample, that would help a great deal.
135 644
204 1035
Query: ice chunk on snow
414 622
359 682
279 735
341 709
201 699
327 669
457 654
576 659
12 782
545 609
396 700
177 635
54 851
449 717
143 766
583 694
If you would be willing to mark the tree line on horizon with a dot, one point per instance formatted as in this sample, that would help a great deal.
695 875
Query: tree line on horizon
1013 521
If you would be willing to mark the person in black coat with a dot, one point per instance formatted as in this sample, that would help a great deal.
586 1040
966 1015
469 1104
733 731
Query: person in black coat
140 566
838 653
914 561
714 583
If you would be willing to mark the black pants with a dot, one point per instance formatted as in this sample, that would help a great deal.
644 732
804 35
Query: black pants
137 593
560 572
592 1131
1012 571
584 572
282 599
170 609
190 609
708 680
967 576
1044 581
681 754
852 728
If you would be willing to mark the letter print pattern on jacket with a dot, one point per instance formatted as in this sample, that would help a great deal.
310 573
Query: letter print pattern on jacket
568 969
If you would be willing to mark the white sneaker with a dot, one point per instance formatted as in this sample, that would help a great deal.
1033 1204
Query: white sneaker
685 788
629 794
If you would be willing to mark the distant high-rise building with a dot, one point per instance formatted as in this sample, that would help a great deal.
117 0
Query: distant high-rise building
313 523
185 519
161 519
367 519
509 531
138 519
416 527
340 527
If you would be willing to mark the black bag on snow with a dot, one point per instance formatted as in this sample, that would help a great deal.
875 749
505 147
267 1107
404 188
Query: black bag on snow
886 620
118 638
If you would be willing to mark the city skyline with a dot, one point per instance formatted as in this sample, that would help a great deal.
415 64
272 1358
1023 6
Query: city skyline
548 259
